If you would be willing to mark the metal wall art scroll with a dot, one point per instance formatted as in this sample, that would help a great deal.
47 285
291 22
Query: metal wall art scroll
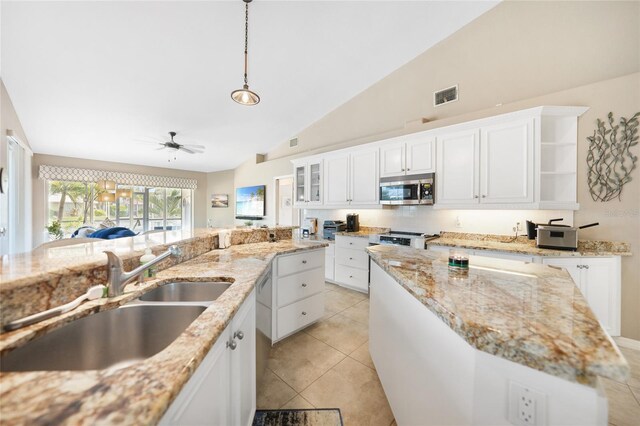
610 161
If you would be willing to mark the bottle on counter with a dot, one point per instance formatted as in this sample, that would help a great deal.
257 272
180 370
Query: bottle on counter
147 257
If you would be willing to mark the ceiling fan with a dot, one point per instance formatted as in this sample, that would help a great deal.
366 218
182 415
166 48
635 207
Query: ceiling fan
191 149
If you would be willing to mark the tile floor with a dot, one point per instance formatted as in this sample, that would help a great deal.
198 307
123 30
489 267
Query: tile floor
328 365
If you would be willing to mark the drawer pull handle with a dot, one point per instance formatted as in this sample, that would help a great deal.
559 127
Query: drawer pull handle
239 335
304 261
351 258
232 344
350 244
350 276
304 285
304 313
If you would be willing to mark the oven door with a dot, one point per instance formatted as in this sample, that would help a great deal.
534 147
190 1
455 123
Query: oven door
399 193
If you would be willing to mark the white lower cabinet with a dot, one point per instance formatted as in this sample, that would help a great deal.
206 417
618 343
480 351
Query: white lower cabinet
222 391
598 278
298 292
329 262
352 263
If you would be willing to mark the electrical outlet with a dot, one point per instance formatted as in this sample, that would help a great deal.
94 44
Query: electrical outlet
526 406
458 223
519 226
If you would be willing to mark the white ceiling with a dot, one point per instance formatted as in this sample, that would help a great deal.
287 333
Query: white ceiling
89 79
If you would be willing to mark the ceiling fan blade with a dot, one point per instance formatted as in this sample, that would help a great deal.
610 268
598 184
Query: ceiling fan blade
182 148
195 146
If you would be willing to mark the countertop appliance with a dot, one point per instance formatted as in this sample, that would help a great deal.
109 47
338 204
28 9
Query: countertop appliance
559 237
402 238
532 227
330 227
311 224
353 222
407 190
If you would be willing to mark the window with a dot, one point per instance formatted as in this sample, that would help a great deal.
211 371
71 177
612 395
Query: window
138 208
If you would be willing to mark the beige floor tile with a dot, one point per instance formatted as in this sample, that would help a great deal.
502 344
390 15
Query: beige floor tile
297 403
338 301
331 286
340 332
352 293
636 392
633 358
624 410
301 359
273 392
356 390
362 355
358 312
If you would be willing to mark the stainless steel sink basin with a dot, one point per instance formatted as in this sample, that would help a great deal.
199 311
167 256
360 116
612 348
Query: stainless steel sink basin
110 339
186 292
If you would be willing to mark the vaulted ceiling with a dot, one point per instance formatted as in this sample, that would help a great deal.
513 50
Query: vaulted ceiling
102 80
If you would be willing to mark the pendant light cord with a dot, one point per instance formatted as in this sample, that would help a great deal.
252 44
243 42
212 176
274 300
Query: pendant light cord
246 39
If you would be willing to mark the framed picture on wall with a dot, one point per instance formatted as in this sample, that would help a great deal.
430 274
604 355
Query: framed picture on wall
219 200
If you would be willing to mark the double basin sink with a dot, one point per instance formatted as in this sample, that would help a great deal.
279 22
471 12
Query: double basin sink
119 337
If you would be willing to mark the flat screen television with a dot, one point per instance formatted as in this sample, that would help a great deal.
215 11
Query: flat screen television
250 202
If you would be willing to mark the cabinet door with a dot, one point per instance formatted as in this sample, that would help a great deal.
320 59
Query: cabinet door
363 175
243 364
314 175
457 156
571 265
506 166
299 183
392 158
205 398
601 288
420 154
336 185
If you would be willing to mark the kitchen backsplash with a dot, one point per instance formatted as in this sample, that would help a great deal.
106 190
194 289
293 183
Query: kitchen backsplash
431 221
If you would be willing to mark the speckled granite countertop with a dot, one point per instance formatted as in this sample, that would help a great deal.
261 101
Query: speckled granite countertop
365 231
523 245
141 393
530 314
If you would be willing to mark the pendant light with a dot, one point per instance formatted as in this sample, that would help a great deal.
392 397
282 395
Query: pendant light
109 197
245 96
106 185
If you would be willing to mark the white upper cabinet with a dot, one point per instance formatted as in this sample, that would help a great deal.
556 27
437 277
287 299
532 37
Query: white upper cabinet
351 178
457 179
506 163
407 155
307 177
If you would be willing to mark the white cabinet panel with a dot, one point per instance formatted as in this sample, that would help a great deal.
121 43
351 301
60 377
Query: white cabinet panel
363 177
294 263
351 242
307 182
353 258
337 180
329 262
506 164
298 286
420 154
243 365
392 158
458 168
300 314
355 278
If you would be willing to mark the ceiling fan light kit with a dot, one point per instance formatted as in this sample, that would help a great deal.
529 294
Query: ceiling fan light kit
245 96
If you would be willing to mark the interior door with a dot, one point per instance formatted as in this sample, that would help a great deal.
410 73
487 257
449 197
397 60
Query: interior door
336 180
506 164
285 202
364 177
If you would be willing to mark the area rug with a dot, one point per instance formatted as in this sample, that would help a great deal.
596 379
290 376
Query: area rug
317 417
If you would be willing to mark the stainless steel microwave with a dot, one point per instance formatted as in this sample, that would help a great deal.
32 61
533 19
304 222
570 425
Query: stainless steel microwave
408 190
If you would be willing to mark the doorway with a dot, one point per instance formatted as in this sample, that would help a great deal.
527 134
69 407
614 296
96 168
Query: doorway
286 215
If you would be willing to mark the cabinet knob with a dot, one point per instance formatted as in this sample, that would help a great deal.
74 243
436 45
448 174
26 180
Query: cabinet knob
484 196
580 266
304 285
403 170
239 335
351 258
586 266
475 196
304 313
408 169
350 276
350 244
304 261
232 345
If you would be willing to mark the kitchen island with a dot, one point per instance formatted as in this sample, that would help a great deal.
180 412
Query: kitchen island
466 347
142 392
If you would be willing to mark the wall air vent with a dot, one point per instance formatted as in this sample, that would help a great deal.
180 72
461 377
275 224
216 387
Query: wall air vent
445 96
293 142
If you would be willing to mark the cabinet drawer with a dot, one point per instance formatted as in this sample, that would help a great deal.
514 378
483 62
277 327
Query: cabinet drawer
352 277
351 242
298 286
298 262
300 314
354 258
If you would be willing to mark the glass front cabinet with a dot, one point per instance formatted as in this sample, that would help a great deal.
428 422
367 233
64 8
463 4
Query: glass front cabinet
307 176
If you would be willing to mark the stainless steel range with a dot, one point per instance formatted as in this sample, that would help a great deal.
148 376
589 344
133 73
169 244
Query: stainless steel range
402 238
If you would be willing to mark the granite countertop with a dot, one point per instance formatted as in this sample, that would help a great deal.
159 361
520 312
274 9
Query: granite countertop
140 393
527 313
365 231
523 245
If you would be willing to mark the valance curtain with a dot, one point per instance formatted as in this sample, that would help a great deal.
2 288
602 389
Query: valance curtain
122 178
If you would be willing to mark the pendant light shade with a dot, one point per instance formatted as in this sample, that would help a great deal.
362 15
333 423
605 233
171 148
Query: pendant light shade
107 185
123 193
108 196
245 96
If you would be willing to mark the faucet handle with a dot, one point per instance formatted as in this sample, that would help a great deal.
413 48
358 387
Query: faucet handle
175 250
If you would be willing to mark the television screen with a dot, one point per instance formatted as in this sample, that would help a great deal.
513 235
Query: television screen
250 202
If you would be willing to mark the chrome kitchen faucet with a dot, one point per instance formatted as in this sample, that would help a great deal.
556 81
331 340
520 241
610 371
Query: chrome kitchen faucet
116 276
